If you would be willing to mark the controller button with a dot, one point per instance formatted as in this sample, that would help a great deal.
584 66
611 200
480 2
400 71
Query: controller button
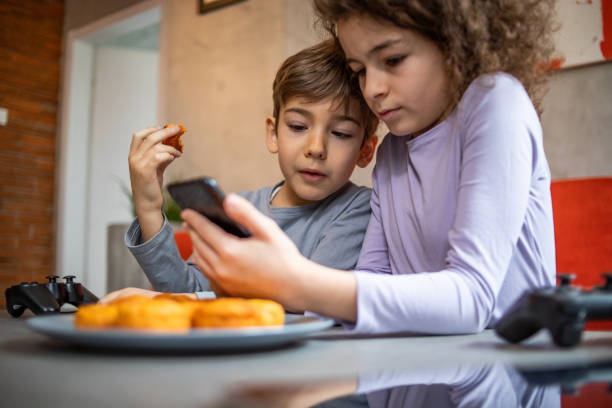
69 278
52 278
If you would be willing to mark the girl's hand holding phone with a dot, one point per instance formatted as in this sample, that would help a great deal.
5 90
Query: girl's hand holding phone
260 266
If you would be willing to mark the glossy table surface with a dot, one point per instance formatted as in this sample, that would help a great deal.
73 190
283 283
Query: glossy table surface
38 371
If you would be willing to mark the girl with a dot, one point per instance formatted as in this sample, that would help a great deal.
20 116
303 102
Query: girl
461 218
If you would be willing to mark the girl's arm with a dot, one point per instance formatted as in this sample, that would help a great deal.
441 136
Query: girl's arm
267 265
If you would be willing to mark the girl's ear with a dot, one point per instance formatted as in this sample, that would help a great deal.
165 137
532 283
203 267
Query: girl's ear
367 151
271 137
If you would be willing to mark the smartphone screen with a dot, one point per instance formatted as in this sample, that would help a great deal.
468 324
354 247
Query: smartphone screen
204 196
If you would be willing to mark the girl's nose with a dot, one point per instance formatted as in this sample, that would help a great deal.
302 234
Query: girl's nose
373 85
315 146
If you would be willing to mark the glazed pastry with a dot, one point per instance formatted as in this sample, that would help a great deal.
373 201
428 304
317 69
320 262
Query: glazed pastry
175 141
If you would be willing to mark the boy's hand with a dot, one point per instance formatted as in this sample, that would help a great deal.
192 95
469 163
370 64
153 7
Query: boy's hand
127 292
258 266
148 159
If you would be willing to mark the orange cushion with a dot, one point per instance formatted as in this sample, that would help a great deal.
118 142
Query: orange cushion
183 242
582 212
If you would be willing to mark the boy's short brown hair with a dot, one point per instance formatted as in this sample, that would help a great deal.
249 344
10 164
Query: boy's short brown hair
317 73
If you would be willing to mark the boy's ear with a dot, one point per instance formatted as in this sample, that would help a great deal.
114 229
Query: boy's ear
367 151
271 137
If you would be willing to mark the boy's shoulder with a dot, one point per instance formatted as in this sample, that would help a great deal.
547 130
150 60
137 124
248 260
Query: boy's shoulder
260 197
349 195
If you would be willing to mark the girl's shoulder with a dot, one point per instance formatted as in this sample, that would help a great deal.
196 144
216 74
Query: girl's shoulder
496 94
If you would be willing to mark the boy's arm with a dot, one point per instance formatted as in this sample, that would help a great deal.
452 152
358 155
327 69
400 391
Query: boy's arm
161 262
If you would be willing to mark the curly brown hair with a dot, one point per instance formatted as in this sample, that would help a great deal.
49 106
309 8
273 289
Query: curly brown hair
475 36
317 73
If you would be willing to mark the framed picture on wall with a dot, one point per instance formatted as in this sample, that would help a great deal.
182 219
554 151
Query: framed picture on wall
205 6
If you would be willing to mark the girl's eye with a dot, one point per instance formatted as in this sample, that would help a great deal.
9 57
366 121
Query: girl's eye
391 62
341 135
297 128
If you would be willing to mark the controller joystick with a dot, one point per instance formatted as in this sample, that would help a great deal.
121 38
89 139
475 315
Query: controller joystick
46 298
562 310
58 291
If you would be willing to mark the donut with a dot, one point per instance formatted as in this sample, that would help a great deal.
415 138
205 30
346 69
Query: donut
96 316
176 312
175 141
236 312
154 314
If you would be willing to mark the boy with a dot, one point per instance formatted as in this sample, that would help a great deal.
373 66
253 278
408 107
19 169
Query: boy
321 128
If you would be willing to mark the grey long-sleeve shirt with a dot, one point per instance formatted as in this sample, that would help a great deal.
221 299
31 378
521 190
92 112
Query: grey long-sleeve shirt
329 232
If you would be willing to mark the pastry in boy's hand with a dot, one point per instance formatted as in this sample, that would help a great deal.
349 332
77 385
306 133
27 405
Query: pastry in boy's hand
175 141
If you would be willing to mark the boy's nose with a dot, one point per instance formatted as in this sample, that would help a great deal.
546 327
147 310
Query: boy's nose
315 146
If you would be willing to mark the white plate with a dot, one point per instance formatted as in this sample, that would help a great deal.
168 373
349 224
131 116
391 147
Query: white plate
61 327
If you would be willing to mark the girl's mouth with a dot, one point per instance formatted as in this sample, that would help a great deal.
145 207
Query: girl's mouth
387 114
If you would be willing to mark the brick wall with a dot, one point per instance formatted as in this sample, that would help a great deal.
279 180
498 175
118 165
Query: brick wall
30 51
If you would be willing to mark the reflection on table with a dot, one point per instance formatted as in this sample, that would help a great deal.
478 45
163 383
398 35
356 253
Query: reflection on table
485 385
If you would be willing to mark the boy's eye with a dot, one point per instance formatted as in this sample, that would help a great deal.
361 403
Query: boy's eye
297 128
342 135
391 62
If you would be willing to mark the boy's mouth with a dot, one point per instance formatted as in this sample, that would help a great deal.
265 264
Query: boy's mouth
311 174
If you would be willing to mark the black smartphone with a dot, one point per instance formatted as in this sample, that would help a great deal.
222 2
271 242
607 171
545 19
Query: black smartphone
204 196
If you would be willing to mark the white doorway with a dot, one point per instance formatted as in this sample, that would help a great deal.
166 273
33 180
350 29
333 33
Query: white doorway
111 88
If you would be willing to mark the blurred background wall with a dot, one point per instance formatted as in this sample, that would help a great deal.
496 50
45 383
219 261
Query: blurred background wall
215 77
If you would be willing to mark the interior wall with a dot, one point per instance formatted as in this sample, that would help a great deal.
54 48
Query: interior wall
131 73
577 122
82 12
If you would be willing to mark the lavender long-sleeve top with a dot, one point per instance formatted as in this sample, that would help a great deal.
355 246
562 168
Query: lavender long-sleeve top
461 218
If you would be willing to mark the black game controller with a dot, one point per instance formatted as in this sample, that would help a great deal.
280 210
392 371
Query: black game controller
562 310
571 379
45 298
